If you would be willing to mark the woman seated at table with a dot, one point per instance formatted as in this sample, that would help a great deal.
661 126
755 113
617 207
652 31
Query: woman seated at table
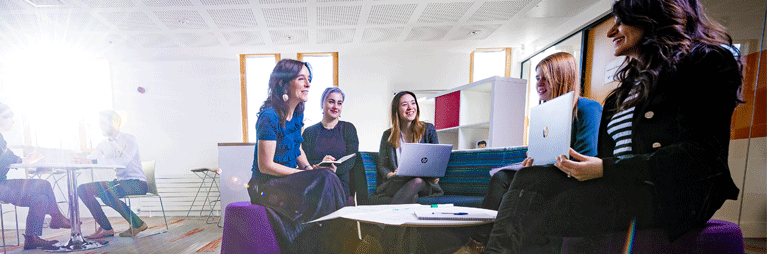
293 191
556 75
37 194
331 138
662 146
406 128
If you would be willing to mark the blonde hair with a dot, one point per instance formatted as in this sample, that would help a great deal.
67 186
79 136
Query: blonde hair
417 128
561 73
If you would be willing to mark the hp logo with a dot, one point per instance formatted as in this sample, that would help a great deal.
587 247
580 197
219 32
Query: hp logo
545 132
424 160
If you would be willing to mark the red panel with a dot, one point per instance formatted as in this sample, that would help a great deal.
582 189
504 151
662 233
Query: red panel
446 110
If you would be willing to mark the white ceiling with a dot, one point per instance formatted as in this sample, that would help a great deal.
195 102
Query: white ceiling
168 29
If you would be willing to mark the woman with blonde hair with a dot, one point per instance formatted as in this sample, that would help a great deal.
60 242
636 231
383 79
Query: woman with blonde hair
406 128
556 75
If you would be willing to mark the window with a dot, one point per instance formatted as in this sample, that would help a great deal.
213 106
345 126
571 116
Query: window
324 75
56 101
254 78
254 74
486 63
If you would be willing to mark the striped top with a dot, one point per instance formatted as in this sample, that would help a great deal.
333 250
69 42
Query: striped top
619 129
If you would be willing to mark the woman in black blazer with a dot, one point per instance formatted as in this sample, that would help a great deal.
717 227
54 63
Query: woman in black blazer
408 129
663 139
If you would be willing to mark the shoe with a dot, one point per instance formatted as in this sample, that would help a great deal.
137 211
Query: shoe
128 233
62 223
34 242
101 233
471 247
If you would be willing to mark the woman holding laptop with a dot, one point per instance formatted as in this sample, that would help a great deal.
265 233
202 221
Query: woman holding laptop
556 74
406 128
292 190
663 139
331 138
37 194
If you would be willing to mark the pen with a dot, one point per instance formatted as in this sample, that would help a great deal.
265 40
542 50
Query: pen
441 205
452 213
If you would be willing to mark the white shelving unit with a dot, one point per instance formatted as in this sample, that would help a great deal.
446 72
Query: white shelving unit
491 109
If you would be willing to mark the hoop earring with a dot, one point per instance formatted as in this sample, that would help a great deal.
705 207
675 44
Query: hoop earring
285 97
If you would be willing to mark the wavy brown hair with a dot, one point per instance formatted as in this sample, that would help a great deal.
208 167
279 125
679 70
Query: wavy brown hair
417 128
561 73
672 29
279 82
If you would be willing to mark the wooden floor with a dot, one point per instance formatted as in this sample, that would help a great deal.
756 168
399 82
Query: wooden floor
186 235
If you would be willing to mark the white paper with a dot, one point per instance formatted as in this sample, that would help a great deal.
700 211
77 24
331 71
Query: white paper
515 167
337 162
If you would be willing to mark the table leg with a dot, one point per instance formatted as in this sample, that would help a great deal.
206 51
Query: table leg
76 240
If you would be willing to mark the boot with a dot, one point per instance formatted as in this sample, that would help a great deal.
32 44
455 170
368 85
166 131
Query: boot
34 242
518 225
61 222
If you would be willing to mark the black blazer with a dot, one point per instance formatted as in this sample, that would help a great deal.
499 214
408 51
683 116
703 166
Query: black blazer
680 140
387 161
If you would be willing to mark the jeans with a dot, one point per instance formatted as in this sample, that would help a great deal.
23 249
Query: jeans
111 193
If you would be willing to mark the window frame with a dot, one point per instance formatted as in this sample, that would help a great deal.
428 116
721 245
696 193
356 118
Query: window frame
244 89
300 57
507 67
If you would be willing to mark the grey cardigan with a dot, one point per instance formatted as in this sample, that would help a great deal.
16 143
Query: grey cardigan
387 163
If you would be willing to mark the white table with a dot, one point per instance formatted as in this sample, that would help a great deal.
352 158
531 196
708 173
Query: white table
76 241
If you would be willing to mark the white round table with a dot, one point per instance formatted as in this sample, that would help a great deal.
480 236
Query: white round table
76 241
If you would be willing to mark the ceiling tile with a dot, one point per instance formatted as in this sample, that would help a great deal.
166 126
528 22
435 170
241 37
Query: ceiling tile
337 1
12 5
234 18
198 39
335 36
108 3
21 22
244 38
154 40
444 12
391 13
182 19
167 3
130 21
281 1
386 34
77 21
427 33
285 17
289 37
338 15
483 31
498 10
223 2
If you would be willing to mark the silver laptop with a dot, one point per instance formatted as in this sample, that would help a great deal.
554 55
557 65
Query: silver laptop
549 130
427 160
52 155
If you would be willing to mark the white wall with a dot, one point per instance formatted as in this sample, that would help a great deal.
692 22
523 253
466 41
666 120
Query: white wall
190 106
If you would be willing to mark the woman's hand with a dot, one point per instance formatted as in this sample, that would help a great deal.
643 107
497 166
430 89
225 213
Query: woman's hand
391 174
586 168
528 162
328 158
435 181
332 167
33 157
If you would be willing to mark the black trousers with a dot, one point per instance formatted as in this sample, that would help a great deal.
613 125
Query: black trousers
543 204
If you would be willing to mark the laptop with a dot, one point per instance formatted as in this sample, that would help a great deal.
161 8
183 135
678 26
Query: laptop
52 155
549 130
423 160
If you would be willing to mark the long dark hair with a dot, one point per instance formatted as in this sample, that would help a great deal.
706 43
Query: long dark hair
672 29
417 128
279 81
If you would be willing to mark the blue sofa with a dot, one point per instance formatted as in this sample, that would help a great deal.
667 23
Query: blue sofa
465 181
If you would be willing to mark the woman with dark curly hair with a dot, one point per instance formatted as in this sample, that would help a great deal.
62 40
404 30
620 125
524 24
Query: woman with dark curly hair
663 139
293 191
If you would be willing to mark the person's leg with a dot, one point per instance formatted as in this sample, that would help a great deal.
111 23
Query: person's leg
408 193
112 196
87 193
43 188
498 186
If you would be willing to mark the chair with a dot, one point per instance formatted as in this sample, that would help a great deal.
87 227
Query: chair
2 224
247 230
148 167
204 174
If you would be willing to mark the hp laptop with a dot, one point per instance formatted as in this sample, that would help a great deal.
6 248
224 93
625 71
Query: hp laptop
427 160
549 130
